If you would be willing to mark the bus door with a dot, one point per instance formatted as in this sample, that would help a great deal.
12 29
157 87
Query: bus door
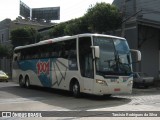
86 63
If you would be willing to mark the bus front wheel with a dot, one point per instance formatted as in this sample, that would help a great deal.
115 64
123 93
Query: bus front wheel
76 89
107 95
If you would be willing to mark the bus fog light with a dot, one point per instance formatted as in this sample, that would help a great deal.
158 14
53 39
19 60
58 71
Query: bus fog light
101 82
130 82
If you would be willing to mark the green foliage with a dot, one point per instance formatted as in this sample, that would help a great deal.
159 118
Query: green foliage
58 30
76 26
23 36
72 27
4 52
103 17
99 18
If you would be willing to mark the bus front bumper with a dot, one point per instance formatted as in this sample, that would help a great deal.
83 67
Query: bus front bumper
121 88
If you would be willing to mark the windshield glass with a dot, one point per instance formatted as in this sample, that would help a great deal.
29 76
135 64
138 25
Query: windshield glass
114 58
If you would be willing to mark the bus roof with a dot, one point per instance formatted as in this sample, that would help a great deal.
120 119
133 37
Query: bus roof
58 39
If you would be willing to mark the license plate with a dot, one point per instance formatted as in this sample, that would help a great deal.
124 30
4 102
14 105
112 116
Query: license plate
117 89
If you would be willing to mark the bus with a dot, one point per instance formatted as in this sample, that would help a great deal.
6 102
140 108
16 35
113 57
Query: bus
85 63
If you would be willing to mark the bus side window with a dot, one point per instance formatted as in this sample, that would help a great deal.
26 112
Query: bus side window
54 51
54 54
22 57
72 55
72 60
35 56
47 54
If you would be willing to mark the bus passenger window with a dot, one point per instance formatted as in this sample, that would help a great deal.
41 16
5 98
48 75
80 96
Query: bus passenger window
71 54
72 60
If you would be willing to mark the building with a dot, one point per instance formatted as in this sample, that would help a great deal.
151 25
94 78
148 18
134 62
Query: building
142 30
6 26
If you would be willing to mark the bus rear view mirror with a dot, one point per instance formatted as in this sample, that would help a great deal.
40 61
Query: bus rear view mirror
96 50
138 54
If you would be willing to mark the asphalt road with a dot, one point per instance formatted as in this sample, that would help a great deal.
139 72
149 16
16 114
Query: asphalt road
14 98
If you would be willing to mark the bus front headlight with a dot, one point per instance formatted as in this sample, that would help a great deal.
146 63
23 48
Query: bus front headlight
103 82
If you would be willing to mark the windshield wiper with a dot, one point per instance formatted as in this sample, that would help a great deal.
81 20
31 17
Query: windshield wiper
121 67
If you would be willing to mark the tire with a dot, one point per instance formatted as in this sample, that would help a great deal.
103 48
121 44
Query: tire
107 95
75 89
27 82
21 82
146 86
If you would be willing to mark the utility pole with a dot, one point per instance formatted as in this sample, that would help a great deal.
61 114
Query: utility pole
124 14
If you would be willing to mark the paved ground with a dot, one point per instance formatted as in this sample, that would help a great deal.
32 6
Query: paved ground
14 98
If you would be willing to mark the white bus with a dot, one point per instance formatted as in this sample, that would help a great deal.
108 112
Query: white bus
85 63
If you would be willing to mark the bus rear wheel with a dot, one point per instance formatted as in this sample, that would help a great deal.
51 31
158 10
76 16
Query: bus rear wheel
21 81
75 89
27 82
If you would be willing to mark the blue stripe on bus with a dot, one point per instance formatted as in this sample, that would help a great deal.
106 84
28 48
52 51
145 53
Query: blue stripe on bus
41 67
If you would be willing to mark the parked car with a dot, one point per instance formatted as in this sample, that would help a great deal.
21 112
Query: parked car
3 76
141 79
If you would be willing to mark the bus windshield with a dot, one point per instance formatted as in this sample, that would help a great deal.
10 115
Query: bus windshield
115 58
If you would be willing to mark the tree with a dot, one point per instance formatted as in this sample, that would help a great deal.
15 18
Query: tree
57 30
100 18
103 17
4 52
72 27
77 26
23 36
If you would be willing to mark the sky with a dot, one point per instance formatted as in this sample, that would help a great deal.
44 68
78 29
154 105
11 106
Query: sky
69 9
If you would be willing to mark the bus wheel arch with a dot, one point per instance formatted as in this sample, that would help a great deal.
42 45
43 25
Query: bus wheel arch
21 81
27 81
75 87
